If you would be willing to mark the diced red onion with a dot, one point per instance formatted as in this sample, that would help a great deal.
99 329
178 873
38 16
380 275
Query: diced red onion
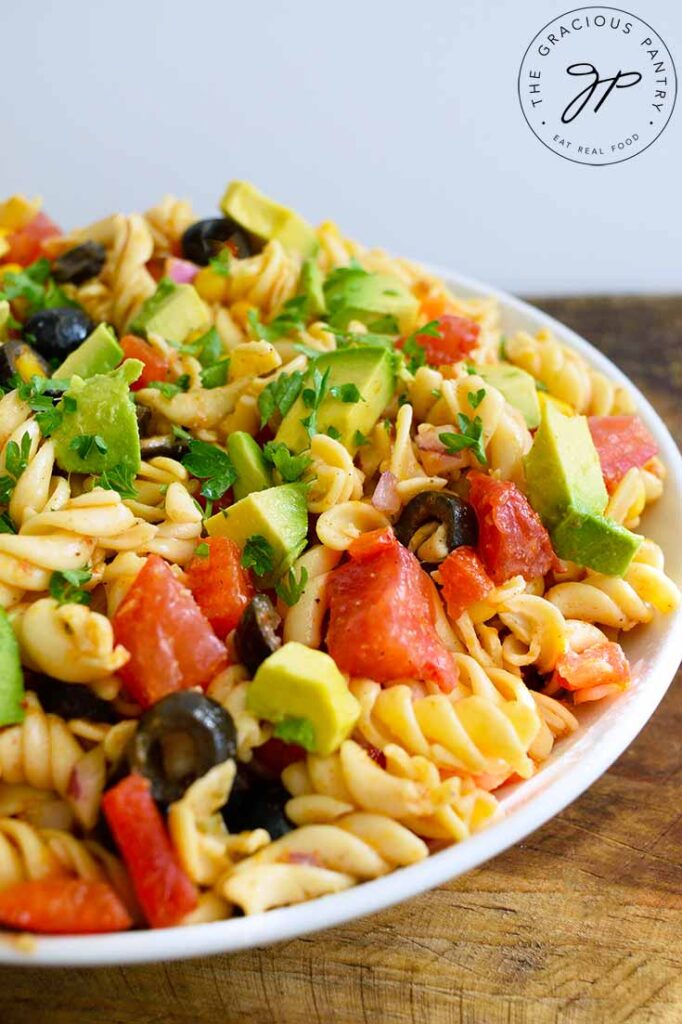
181 271
386 497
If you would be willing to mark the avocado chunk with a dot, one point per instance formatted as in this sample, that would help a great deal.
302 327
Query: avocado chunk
562 468
11 675
174 311
253 472
590 539
99 353
267 219
371 370
352 293
279 514
310 286
517 387
98 430
301 684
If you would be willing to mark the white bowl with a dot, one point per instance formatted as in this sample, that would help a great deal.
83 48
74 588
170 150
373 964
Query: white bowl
606 730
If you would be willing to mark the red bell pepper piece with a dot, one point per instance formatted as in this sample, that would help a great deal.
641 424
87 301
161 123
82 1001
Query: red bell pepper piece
456 337
171 643
596 672
464 580
156 366
63 906
622 442
221 586
164 891
25 244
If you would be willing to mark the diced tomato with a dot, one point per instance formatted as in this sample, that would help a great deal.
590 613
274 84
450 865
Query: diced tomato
221 587
457 336
164 891
25 245
511 538
464 580
156 366
63 906
622 442
275 755
596 672
171 643
381 619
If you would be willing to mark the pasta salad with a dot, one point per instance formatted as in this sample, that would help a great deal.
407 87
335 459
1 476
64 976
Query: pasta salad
301 560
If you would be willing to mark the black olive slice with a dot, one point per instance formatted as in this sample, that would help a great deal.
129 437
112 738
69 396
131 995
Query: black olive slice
456 514
201 731
203 240
163 444
144 416
256 803
70 700
79 264
16 357
256 638
57 332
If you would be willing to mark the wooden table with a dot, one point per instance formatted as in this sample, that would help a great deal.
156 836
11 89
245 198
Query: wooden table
580 924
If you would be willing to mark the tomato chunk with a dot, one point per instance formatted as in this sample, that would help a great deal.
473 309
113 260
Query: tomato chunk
156 366
464 580
25 245
457 336
381 621
221 587
511 538
596 672
622 442
164 891
171 643
63 906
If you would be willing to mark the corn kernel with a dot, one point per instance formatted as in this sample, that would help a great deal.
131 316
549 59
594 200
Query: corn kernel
211 286
17 211
10 268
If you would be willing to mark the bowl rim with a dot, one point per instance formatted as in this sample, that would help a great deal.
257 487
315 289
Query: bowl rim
537 804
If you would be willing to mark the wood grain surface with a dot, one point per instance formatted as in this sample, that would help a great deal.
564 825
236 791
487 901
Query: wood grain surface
580 924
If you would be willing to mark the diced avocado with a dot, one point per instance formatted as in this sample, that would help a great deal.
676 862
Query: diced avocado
253 472
562 468
352 293
517 386
297 682
310 286
371 370
99 426
594 541
267 219
279 514
11 675
99 353
174 311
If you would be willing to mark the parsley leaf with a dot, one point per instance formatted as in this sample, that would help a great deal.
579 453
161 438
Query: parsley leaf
16 461
333 433
215 375
6 524
359 439
85 444
415 352
33 392
207 349
222 263
313 398
258 555
170 389
291 318
290 467
35 286
346 393
476 397
289 589
66 586
212 465
202 550
120 479
471 436
503 347
296 730
181 433
279 395
541 386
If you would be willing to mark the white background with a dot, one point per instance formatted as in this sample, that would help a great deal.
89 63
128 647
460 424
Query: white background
398 120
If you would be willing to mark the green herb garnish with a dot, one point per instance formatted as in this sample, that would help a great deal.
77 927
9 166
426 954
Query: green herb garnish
289 589
258 555
296 730
16 461
290 467
471 436
476 397
66 586
120 479
87 443
169 389
279 395
202 550
313 397
212 465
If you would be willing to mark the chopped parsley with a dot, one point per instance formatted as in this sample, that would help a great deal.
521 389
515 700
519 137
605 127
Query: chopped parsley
222 263
215 375
16 461
503 347
347 393
6 524
296 730
120 479
471 436
212 465
359 439
289 466
313 397
279 395
258 555
476 397
333 433
416 353
289 589
36 287
33 392
291 318
181 433
202 550
87 443
66 587
170 389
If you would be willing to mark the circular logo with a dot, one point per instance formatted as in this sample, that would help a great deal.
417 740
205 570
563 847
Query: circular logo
597 85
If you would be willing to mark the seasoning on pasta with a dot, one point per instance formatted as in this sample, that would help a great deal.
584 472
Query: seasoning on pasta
301 560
